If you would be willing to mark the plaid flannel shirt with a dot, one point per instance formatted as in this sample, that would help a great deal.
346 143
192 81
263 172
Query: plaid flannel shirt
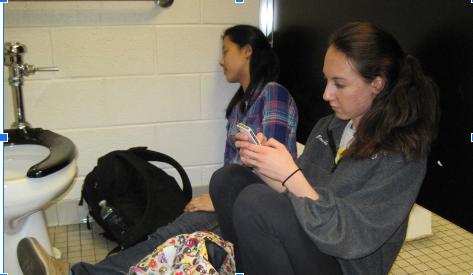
273 112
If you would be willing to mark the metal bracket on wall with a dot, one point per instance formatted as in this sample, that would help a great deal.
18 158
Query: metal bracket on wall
161 3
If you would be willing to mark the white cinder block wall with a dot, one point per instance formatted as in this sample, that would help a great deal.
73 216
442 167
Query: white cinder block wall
130 74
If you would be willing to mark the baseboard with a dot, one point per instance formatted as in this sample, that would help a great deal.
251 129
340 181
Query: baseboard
66 212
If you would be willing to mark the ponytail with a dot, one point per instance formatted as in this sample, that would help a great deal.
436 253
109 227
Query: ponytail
403 116
264 64
234 101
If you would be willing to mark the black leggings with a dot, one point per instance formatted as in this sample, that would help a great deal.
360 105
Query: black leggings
263 226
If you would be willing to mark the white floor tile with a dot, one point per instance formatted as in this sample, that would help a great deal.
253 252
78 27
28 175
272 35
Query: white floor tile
448 251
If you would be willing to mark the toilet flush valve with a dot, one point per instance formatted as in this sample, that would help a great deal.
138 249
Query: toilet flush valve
30 69
13 59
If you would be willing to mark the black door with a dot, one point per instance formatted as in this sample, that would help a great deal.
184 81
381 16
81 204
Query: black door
439 33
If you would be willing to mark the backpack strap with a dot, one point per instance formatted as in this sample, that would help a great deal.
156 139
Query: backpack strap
136 160
149 155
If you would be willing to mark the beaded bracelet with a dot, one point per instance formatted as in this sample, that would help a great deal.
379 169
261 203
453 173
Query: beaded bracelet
290 176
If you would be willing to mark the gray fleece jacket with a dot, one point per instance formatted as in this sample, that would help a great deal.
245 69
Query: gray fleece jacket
362 214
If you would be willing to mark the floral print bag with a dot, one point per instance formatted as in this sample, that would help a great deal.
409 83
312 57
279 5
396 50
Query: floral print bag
185 254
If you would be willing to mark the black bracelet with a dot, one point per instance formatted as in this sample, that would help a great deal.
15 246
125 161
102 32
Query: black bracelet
290 176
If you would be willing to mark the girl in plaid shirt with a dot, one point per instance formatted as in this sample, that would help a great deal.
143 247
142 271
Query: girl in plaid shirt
260 103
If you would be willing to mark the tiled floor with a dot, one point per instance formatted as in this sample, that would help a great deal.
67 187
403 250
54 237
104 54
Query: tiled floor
448 251
79 244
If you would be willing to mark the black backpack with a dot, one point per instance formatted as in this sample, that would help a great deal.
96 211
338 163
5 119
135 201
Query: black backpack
142 194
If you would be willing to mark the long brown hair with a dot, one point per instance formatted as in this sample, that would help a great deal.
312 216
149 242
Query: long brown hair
403 116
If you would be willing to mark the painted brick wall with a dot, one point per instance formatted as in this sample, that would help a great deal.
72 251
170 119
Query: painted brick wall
130 74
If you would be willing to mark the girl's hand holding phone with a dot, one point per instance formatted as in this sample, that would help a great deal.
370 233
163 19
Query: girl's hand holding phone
271 158
244 140
249 133
244 143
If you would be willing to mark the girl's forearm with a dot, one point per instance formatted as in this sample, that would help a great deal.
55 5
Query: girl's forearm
299 186
275 184
296 184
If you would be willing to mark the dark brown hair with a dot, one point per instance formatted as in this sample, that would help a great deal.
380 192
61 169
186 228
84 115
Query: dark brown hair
264 64
403 116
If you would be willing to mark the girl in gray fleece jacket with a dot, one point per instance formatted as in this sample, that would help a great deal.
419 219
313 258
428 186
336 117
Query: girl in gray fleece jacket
343 206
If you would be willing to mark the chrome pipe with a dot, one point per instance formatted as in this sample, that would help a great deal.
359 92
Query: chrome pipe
21 122
13 59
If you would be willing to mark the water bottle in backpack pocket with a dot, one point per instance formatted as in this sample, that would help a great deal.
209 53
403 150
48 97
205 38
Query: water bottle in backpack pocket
143 196
111 218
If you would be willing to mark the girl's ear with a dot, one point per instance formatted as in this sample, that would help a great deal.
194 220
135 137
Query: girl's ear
247 50
378 84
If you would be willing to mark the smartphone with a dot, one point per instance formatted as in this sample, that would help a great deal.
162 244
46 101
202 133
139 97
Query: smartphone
249 133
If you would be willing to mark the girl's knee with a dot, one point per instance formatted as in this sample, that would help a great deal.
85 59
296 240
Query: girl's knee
255 200
261 207
223 177
250 195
